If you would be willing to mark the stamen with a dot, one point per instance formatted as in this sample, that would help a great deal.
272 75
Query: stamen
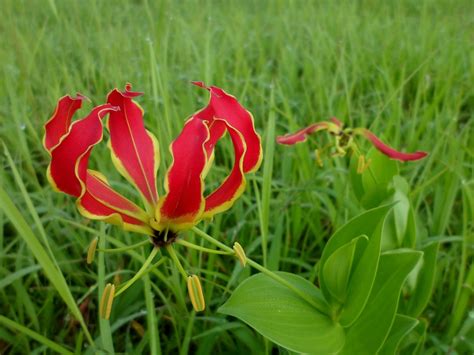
195 293
105 306
240 254
91 250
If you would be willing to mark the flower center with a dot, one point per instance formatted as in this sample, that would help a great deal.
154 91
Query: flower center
163 238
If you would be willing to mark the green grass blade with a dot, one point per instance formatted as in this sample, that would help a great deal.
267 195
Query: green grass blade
38 337
48 265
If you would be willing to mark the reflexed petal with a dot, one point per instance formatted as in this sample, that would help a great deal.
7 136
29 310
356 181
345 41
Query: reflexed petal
184 202
74 150
225 113
58 125
229 110
302 134
134 149
389 151
233 186
68 173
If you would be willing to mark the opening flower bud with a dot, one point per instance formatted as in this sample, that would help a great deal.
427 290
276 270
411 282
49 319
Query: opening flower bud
240 254
105 307
91 251
195 293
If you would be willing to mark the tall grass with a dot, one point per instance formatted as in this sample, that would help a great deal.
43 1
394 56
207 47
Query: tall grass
403 68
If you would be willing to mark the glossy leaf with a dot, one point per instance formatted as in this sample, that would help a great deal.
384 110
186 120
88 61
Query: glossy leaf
376 178
368 333
400 328
338 266
279 314
365 261
397 222
423 282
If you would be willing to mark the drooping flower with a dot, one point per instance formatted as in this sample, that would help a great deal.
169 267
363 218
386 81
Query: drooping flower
136 156
345 139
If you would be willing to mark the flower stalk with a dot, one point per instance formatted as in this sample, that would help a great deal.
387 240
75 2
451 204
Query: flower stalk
319 305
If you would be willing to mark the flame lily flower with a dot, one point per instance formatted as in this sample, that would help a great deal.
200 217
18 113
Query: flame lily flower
344 139
136 156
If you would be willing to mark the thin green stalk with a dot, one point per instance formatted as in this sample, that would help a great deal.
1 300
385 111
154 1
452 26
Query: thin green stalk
118 250
176 261
318 305
151 318
140 272
200 248
104 324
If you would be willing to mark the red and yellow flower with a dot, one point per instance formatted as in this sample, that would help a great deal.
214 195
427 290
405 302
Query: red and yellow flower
345 137
136 156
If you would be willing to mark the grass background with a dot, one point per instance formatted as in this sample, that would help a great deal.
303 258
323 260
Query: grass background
402 68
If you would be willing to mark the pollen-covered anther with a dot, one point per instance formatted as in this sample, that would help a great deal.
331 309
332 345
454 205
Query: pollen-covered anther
105 307
195 293
91 250
240 254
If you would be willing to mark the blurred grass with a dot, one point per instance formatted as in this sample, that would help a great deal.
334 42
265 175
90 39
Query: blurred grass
403 68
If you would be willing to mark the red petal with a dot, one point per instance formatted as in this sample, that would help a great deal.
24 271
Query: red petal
389 151
68 173
233 186
302 134
134 149
58 125
184 202
229 110
74 150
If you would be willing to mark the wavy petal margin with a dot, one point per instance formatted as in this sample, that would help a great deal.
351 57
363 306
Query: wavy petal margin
134 150
58 125
302 134
225 114
232 113
184 203
68 172
389 151
234 185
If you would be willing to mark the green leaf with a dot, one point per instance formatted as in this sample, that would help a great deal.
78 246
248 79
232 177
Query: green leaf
397 221
402 325
368 333
279 314
424 279
337 268
34 335
54 275
376 178
365 261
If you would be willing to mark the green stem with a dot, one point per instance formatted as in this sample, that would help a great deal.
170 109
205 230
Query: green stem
139 273
128 247
319 305
174 257
200 248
